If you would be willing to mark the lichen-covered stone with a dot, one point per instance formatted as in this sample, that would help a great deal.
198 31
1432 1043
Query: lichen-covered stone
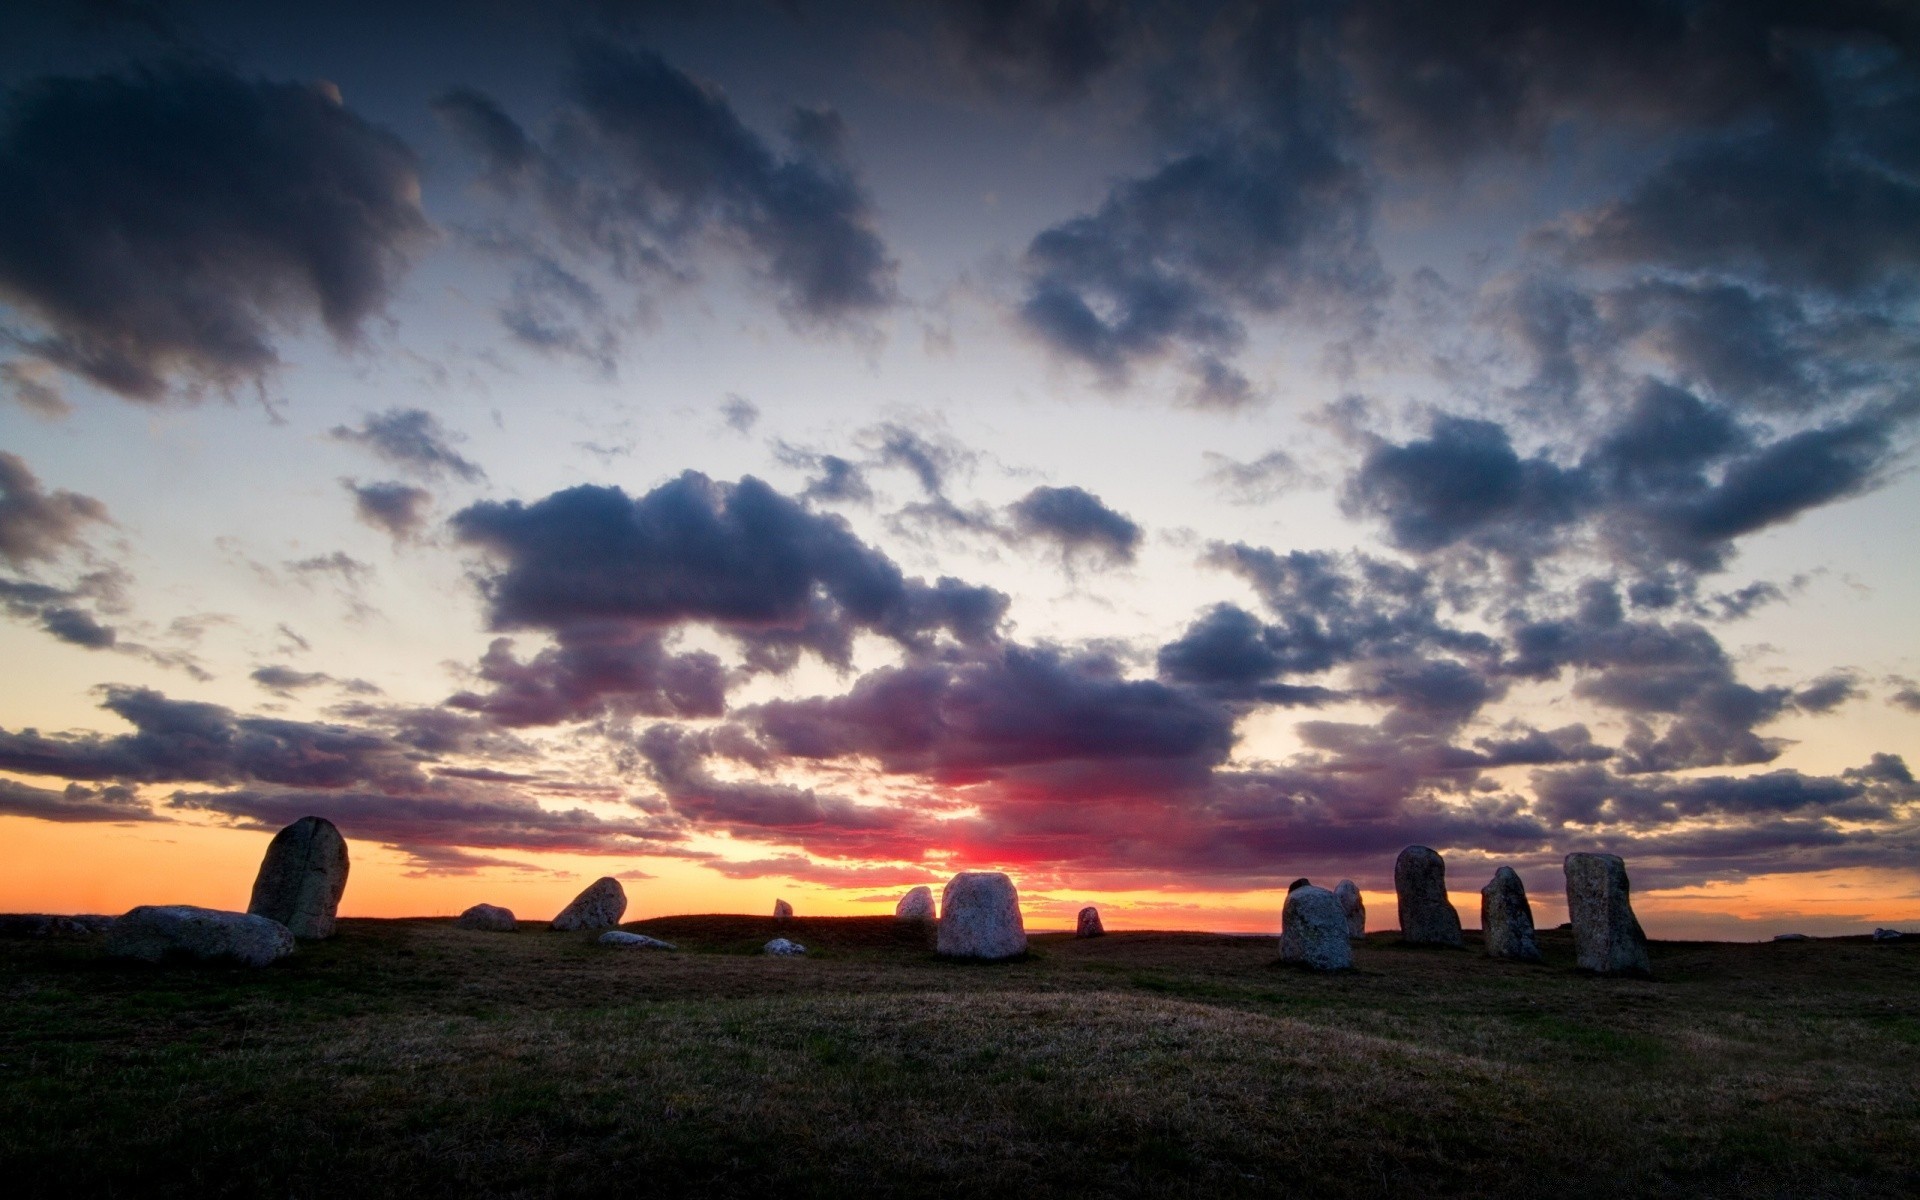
782 948
1313 930
154 932
980 917
1506 919
782 911
1347 892
600 906
489 918
916 905
302 878
1427 917
633 941
1607 938
1088 925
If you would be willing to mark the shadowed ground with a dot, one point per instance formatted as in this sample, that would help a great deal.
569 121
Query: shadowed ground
412 1057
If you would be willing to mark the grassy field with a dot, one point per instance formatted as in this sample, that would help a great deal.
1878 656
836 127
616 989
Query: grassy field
410 1057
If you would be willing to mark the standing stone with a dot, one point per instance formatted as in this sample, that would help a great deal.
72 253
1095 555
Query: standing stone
1089 923
782 911
1506 919
1313 930
599 907
490 918
1607 938
1348 894
782 948
916 905
980 917
301 878
154 932
1427 917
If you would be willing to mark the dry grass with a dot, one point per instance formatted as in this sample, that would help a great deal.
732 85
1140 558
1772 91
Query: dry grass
409 1056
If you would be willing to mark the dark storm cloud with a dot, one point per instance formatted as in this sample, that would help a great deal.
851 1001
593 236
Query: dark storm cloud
1050 48
413 439
1075 522
37 525
1230 653
396 509
165 223
594 670
1592 795
75 803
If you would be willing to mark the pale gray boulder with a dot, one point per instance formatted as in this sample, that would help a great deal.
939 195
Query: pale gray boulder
1089 924
488 918
916 905
1348 894
1427 917
633 941
154 932
1313 930
782 911
980 917
302 877
782 948
600 906
1607 938
1506 919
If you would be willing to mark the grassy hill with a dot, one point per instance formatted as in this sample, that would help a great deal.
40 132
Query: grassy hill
410 1057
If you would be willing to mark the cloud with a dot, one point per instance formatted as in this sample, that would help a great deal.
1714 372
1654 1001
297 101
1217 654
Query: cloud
412 439
1048 48
740 414
284 680
595 669
397 509
75 803
1076 523
37 525
166 223
1259 481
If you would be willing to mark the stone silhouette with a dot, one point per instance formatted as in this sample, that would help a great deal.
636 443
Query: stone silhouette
154 932
1089 923
916 905
782 910
1506 919
1607 938
490 918
782 948
1427 917
980 917
600 906
1348 894
302 877
633 941
1313 930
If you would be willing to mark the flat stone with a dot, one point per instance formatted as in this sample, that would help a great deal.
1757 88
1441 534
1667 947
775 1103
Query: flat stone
302 878
1088 924
154 932
916 905
600 906
980 917
782 911
1427 917
1506 919
1887 935
633 941
1313 930
1607 938
489 918
1348 894
782 948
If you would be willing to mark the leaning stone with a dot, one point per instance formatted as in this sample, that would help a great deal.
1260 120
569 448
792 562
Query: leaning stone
1506 919
782 910
916 905
1887 935
634 941
1313 930
980 917
782 948
1089 924
600 906
1299 883
489 918
154 932
1427 917
301 878
1348 894
1792 937
1607 938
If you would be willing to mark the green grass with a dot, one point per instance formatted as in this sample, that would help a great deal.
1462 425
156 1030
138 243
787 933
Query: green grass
409 1057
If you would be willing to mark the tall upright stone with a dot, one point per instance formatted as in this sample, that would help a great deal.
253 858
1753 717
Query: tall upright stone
980 917
1506 919
1607 938
1088 925
1313 930
916 905
302 877
782 911
1348 894
599 906
1427 917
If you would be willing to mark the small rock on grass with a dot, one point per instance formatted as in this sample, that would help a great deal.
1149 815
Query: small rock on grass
782 948
488 918
1887 935
634 941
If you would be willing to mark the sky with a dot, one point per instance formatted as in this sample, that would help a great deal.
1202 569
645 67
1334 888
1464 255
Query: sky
808 449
